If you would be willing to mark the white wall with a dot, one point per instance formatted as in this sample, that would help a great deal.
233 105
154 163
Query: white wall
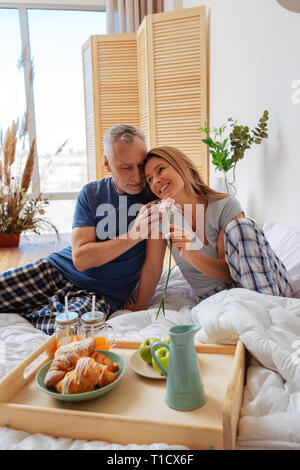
172 5
254 60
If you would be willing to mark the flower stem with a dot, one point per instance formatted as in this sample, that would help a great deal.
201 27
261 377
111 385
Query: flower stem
162 303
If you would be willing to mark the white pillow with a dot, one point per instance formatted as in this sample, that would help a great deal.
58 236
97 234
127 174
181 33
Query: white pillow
285 242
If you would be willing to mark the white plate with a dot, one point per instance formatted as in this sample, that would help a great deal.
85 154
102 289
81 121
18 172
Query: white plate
142 368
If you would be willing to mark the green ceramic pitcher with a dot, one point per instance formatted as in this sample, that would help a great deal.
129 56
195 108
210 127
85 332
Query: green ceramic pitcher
184 384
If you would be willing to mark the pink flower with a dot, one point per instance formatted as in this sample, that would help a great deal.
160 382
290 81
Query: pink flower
168 204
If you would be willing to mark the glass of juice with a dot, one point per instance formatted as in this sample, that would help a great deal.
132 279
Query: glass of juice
94 325
67 328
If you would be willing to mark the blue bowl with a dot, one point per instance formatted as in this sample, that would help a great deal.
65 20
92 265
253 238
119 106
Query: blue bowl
40 377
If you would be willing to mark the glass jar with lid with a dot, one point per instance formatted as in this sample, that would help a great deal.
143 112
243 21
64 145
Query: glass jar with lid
94 325
67 328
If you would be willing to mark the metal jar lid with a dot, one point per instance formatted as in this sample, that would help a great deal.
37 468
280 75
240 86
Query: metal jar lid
91 319
62 320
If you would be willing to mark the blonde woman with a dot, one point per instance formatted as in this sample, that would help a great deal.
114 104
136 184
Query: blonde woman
213 243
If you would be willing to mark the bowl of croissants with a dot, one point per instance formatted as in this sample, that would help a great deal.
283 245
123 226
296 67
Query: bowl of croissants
79 372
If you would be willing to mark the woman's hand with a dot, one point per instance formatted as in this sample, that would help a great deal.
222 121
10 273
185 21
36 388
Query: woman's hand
129 304
181 238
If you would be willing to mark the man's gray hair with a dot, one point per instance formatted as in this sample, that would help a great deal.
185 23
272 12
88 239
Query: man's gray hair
121 133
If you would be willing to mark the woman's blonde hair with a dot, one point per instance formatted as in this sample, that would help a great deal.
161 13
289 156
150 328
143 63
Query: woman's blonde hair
187 169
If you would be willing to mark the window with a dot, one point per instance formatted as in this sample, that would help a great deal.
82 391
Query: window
12 90
55 38
60 212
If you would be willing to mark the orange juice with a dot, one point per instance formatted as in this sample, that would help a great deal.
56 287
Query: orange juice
101 343
63 340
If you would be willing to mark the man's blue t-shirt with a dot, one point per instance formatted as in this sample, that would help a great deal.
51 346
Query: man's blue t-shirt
100 205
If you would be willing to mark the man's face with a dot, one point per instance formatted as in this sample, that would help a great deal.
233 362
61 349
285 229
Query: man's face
126 166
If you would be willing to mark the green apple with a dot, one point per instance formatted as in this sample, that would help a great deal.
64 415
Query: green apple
166 339
162 354
145 349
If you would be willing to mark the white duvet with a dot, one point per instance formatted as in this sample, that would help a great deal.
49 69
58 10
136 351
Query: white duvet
268 326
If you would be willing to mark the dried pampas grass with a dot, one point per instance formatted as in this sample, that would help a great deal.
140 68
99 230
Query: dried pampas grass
27 173
18 210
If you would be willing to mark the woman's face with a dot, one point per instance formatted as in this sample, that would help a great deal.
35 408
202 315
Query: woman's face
162 178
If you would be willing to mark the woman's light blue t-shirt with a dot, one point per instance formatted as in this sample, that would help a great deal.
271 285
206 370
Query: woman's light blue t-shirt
100 205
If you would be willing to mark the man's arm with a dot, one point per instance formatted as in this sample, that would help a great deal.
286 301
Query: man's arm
88 253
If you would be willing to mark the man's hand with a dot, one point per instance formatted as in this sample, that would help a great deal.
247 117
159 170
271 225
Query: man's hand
146 222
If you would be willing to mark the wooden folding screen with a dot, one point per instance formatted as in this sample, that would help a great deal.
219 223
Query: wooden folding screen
155 79
110 71
173 104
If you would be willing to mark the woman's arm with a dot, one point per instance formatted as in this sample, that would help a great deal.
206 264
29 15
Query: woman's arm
215 268
151 272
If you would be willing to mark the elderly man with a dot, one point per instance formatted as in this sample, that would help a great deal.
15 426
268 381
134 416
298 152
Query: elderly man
110 225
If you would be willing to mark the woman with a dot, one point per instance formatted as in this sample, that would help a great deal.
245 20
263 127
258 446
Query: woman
224 250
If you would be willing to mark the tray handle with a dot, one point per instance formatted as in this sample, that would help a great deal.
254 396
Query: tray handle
234 397
24 372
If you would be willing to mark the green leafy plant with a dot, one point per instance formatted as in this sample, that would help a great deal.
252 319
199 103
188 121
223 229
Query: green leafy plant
227 150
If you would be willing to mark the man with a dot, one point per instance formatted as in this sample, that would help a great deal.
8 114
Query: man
110 225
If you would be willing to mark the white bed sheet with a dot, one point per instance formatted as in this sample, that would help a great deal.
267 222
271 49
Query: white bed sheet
268 326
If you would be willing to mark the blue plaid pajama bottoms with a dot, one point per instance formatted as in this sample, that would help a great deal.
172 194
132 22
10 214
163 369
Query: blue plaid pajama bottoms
37 292
252 263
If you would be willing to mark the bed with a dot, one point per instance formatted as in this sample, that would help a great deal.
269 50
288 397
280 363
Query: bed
268 326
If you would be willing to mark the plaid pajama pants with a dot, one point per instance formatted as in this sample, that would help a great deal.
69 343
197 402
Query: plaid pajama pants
37 292
252 263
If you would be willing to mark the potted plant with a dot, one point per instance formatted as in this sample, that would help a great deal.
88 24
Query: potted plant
20 211
227 151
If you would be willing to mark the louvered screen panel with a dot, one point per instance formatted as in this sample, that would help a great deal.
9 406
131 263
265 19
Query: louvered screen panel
143 70
178 105
115 87
89 111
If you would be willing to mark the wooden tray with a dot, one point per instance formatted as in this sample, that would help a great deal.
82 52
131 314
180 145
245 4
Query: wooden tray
135 411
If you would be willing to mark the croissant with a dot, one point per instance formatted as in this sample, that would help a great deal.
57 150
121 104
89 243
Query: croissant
106 377
84 348
86 375
102 359
65 360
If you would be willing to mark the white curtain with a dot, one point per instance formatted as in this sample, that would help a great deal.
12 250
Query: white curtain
125 16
